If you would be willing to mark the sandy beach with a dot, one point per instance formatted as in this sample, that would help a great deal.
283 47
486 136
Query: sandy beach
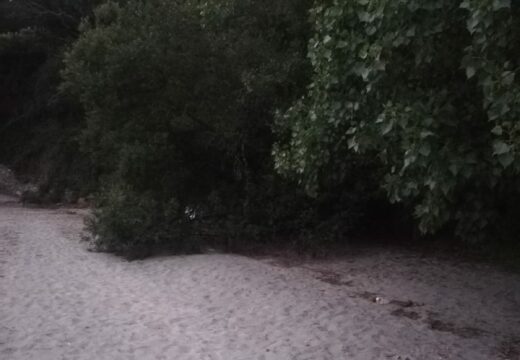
59 301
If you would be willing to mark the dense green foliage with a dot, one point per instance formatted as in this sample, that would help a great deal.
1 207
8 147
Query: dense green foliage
266 120
180 101
149 82
38 126
431 90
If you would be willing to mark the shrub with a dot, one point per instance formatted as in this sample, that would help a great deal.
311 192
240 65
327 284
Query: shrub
135 225
179 101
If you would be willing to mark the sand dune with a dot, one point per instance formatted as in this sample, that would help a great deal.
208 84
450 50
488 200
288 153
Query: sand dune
58 301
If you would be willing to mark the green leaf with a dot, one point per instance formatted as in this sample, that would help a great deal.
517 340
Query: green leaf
362 71
470 72
426 133
472 24
327 39
410 32
341 44
425 149
454 169
508 77
363 53
353 144
506 159
497 130
387 128
365 17
500 148
500 4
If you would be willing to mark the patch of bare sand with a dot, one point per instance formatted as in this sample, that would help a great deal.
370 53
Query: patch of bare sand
58 301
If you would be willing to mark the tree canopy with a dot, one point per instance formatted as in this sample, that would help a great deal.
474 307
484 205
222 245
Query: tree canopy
428 88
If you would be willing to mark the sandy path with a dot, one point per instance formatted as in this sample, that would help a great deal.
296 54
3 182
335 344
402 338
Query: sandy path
58 301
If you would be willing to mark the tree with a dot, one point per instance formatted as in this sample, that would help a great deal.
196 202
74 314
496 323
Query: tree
428 88
39 125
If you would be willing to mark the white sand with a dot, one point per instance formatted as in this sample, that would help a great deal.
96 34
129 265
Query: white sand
58 301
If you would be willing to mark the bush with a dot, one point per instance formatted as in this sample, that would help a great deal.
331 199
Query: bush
179 101
135 225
